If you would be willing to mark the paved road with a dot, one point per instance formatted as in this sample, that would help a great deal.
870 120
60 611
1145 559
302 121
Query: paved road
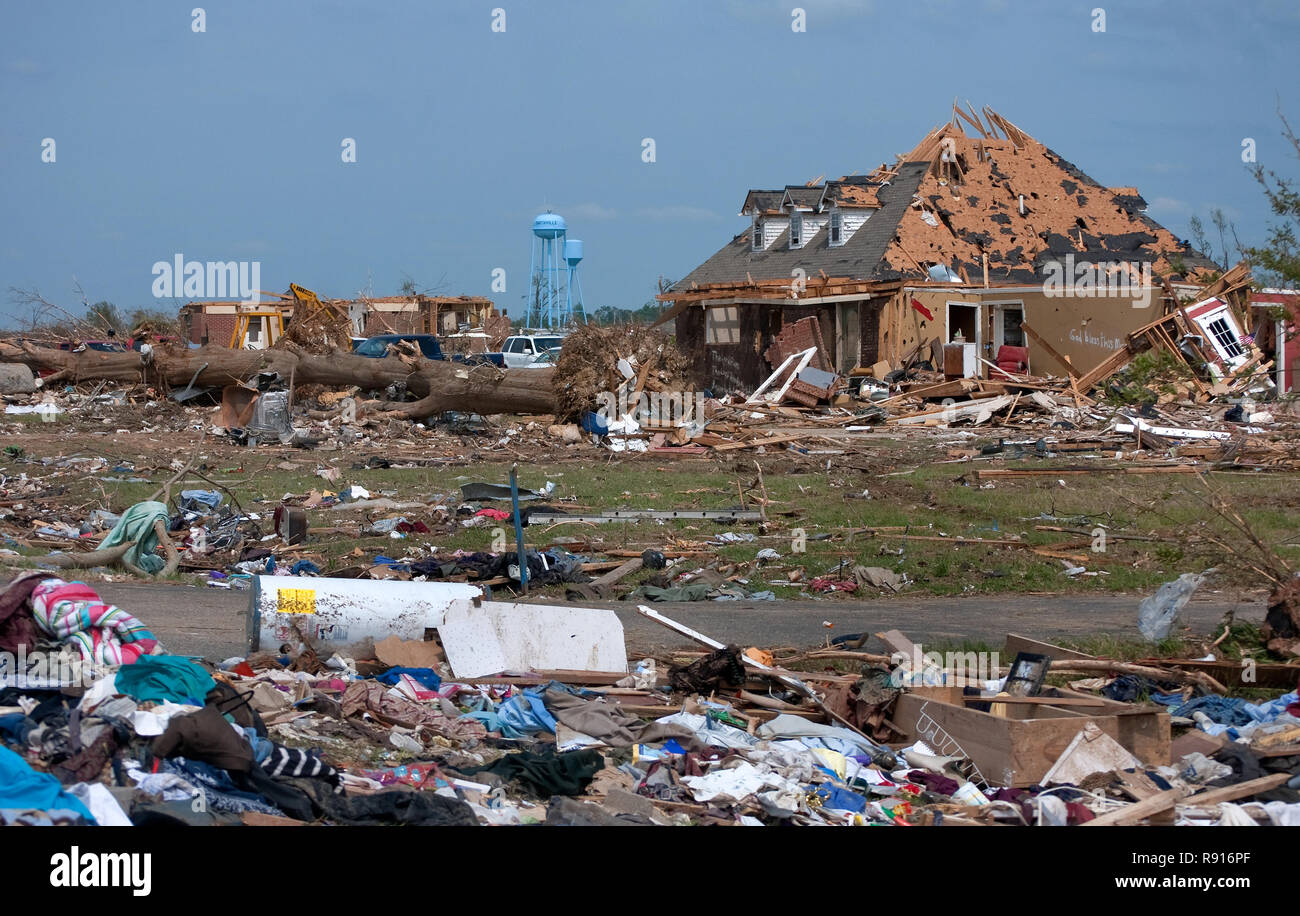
210 622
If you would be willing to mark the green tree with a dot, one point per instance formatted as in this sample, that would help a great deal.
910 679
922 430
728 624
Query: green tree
1278 260
106 317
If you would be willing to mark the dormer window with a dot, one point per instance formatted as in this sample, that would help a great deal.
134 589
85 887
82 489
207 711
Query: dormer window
796 231
837 227
756 238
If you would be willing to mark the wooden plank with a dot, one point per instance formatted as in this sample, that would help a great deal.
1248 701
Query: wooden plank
1108 367
1016 644
897 643
1006 473
767 440
622 571
1037 701
1048 349
1139 810
1240 790
954 412
1229 673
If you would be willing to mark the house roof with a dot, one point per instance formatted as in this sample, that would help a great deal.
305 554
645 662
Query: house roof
761 202
856 258
802 196
955 199
853 191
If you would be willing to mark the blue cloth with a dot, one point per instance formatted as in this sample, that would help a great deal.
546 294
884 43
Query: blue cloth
426 676
305 567
21 787
198 499
1222 710
262 747
1166 699
491 721
525 714
165 678
839 799
1253 714
15 728
220 792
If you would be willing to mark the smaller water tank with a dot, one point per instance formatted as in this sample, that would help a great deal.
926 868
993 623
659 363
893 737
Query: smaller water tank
572 251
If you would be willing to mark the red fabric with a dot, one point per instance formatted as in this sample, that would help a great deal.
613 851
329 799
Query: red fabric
1013 359
17 625
916 304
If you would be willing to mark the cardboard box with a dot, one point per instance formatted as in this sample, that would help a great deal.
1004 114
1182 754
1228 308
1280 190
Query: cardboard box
1018 749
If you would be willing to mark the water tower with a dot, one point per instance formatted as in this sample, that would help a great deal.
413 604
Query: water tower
554 270
573 303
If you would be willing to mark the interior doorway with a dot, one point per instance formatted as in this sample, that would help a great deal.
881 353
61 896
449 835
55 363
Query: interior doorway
963 321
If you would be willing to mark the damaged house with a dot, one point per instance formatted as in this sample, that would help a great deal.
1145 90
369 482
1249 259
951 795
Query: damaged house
468 323
980 242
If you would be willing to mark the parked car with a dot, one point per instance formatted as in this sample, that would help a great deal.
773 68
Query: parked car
377 348
103 346
521 349
545 360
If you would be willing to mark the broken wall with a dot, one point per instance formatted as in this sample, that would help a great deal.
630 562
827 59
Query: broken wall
1088 330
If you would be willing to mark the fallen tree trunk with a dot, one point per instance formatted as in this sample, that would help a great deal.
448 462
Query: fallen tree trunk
105 556
440 386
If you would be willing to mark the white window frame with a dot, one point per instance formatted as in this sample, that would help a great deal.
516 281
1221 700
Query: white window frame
796 219
1224 314
756 237
835 229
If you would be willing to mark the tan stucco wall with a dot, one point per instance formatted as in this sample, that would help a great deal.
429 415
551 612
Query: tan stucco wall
1087 330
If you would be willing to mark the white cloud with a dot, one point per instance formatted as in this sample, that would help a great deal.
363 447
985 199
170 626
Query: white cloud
678 213
1170 205
591 211
818 10
24 65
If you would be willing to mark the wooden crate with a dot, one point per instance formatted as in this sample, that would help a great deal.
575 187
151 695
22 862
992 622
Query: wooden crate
1019 749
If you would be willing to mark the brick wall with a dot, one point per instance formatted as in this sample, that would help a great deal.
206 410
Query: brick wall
216 329
393 323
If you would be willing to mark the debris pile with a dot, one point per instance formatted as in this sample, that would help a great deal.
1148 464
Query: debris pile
472 715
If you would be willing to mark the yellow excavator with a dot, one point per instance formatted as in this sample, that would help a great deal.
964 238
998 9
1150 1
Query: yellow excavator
258 327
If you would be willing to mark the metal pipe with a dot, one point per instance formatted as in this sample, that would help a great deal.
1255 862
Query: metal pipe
519 528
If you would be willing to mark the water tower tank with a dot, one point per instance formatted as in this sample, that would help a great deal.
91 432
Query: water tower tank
549 226
572 251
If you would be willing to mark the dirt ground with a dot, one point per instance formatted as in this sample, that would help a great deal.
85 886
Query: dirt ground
210 622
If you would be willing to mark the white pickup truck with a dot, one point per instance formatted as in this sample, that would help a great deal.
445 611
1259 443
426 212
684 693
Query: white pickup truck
521 350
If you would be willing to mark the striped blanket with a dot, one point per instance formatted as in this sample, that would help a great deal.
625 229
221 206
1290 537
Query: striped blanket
73 612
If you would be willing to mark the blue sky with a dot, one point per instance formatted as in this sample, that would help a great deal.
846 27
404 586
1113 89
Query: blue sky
225 144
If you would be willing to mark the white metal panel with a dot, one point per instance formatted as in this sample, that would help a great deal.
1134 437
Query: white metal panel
496 636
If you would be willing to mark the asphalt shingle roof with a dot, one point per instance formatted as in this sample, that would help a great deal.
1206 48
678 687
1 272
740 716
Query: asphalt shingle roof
857 258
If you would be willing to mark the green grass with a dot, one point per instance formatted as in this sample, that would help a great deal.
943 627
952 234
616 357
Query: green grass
931 499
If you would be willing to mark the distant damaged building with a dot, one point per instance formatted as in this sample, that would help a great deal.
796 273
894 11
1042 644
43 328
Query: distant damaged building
980 235
469 323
